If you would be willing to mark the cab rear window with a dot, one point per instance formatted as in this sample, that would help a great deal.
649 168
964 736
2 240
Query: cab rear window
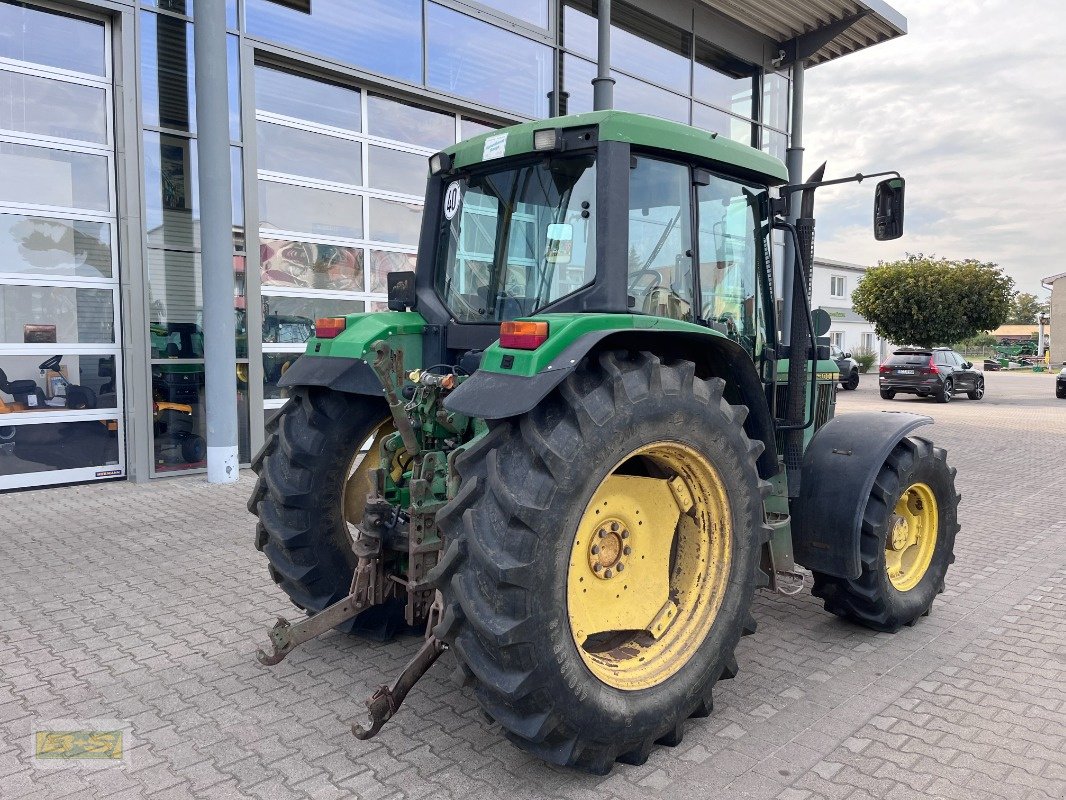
909 358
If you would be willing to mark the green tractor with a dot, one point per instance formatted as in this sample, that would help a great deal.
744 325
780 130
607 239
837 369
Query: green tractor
581 439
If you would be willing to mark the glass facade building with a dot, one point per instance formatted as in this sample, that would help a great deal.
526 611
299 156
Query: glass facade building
332 117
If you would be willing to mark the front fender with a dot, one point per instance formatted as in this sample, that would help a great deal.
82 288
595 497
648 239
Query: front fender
839 468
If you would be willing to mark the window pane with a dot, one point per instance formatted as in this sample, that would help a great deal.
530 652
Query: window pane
384 36
291 320
473 59
730 255
52 38
299 208
44 314
236 179
274 366
408 123
660 239
473 127
186 7
179 425
722 80
774 143
711 119
313 155
175 304
775 89
309 265
42 176
45 246
305 98
34 105
534 12
58 445
382 263
398 223
629 93
396 171
81 381
167 78
640 44
170 190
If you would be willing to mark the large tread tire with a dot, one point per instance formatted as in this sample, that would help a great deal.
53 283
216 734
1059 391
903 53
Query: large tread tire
871 599
301 472
510 530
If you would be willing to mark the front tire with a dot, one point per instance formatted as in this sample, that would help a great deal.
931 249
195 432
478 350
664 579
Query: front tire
522 551
888 394
852 383
978 390
304 469
906 545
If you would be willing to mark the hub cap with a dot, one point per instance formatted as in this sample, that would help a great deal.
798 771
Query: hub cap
649 566
911 537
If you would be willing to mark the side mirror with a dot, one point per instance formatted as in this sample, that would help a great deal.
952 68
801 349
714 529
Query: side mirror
847 354
888 209
967 364
401 290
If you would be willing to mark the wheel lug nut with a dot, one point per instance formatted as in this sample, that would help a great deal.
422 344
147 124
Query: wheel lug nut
627 550
597 567
620 566
595 549
608 574
625 534
602 533
614 526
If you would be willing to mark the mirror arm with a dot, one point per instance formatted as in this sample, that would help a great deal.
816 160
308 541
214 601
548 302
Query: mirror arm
857 178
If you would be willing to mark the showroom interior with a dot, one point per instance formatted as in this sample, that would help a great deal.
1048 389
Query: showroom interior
332 118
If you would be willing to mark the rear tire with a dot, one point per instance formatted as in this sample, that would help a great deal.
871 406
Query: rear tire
946 392
978 390
887 394
302 468
515 524
872 599
852 383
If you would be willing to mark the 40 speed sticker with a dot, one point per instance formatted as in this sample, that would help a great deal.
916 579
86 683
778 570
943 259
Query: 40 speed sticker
453 196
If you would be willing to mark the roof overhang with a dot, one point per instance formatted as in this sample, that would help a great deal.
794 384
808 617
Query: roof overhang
816 31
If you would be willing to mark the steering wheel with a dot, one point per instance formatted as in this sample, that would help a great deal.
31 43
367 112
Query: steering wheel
51 364
634 279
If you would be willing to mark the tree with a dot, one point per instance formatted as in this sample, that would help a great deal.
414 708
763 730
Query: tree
1025 308
926 301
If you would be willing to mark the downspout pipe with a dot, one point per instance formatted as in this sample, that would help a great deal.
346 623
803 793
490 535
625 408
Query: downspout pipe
603 83
216 240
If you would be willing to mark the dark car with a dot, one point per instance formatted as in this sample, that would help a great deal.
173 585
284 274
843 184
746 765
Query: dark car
937 372
848 366
1060 383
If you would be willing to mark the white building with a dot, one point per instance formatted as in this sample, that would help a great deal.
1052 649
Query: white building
832 285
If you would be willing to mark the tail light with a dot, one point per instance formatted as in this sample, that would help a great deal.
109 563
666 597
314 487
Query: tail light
523 335
931 369
883 369
330 327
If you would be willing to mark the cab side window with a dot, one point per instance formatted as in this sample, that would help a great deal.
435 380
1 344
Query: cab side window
731 251
660 239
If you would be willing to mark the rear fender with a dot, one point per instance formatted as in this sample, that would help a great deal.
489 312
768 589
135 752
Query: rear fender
839 468
494 394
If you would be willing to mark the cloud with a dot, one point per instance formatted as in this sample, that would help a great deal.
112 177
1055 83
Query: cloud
971 107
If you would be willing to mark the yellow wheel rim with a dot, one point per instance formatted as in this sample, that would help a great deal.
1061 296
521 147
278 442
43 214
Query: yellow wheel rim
649 565
911 538
357 485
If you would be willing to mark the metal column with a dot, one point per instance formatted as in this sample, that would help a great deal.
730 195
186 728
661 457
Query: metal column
603 83
216 239
794 162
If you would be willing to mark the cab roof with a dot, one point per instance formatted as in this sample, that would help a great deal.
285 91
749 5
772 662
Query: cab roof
636 129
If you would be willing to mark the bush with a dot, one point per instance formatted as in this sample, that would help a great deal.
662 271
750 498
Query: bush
865 359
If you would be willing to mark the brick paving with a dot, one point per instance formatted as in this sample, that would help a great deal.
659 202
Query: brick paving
144 604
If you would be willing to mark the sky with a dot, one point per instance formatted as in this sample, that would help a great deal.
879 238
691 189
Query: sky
970 106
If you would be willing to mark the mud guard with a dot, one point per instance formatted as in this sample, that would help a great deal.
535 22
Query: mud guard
839 468
350 375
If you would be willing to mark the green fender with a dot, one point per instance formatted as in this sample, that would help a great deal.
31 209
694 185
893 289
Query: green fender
511 382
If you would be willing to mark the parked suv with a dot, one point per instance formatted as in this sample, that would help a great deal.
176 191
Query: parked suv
848 366
939 372
1060 383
